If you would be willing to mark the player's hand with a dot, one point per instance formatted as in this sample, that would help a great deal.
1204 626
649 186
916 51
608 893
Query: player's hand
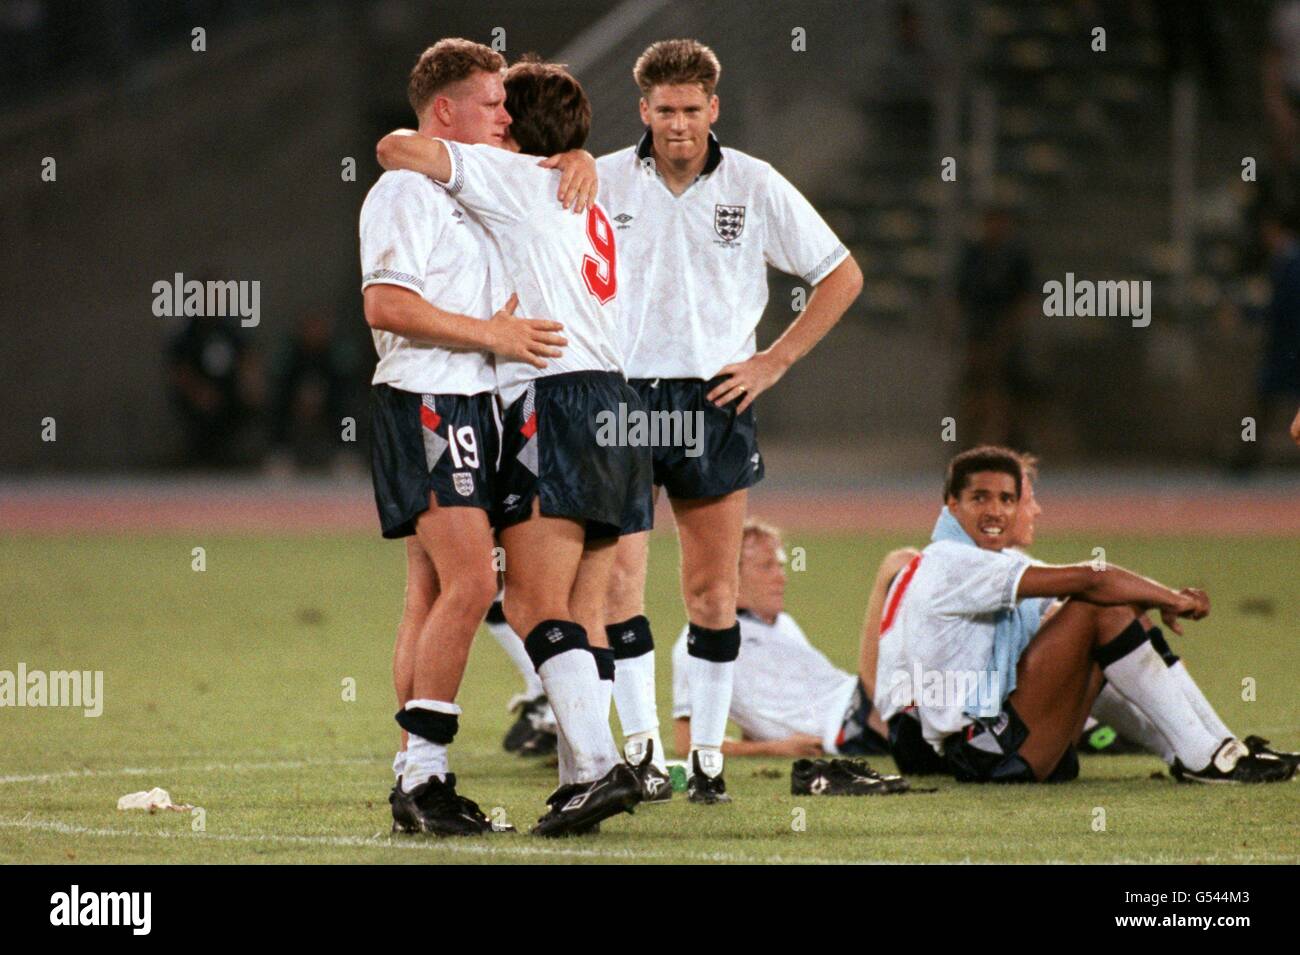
747 380
578 182
524 339
1190 604
1295 428
798 744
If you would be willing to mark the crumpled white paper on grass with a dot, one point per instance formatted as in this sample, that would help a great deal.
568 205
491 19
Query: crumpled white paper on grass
151 801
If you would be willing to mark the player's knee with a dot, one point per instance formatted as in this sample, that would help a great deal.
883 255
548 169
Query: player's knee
470 593
1116 618
711 603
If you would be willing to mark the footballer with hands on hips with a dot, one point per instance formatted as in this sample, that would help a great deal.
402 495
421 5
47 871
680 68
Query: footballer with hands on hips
702 223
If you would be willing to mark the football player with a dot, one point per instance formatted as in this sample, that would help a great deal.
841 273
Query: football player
563 496
1002 698
702 222
426 297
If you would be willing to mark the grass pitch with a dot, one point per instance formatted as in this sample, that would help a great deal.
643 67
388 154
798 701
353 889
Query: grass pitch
226 687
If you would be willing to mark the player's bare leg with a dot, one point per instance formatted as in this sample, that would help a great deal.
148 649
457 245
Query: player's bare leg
421 591
710 531
543 556
457 542
1056 683
627 577
1057 680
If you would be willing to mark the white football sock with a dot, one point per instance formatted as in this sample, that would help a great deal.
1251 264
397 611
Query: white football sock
710 696
425 758
1126 719
575 694
1141 677
399 763
564 753
514 648
634 695
1209 718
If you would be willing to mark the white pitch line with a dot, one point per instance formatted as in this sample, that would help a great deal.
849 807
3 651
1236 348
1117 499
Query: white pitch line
420 845
500 849
202 768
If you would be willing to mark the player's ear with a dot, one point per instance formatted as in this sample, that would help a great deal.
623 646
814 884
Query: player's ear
713 108
645 112
441 107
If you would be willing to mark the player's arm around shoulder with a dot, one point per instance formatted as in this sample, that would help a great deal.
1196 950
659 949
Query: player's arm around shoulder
407 149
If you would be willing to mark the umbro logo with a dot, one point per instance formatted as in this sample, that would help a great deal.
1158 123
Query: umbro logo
555 635
819 785
627 636
623 218
511 500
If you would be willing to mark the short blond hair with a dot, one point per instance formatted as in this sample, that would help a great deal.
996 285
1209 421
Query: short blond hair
449 61
757 527
677 63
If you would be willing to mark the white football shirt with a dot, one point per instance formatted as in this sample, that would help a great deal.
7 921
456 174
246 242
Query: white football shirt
563 266
782 683
696 285
937 632
414 237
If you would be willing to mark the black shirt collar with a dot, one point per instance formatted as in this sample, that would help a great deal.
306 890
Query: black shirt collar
645 150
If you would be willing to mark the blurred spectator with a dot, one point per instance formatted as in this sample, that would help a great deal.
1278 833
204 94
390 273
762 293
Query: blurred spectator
216 385
995 292
311 386
1278 383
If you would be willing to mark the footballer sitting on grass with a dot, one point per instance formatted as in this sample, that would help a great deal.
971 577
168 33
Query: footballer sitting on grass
1009 702
1115 726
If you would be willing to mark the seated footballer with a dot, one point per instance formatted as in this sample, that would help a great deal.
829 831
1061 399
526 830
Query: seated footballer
1001 697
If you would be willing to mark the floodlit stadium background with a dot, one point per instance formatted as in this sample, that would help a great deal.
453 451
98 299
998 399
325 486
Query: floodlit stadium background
1125 164
223 686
